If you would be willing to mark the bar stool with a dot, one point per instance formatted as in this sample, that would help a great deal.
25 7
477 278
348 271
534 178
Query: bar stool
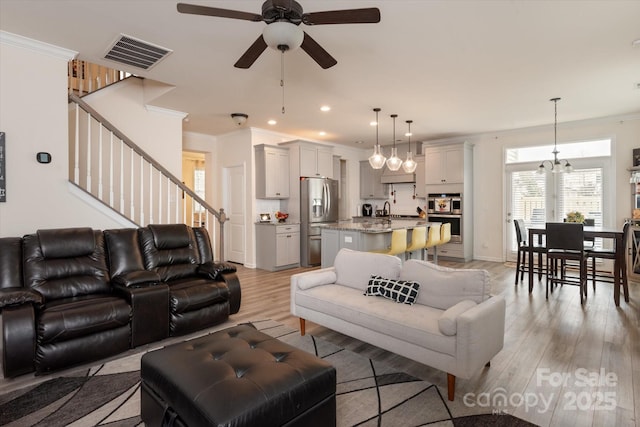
418 242
445 233
433 240
398 243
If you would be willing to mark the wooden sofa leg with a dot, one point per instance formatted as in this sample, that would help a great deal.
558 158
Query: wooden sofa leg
302 325
451 386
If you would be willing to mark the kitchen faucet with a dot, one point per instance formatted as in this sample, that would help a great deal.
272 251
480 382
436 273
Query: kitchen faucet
384 208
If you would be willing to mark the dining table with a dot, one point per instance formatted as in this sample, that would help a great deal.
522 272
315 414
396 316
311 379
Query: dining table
619 264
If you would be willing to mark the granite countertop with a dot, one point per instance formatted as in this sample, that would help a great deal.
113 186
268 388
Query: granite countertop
277 223
376 225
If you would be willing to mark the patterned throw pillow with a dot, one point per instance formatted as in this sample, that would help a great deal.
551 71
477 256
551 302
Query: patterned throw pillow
401 291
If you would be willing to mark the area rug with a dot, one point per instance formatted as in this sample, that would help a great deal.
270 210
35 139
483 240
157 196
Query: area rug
369 393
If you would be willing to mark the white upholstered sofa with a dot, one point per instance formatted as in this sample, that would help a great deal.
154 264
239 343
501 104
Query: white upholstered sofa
454 325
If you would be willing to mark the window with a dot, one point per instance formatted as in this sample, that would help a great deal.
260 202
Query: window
540 198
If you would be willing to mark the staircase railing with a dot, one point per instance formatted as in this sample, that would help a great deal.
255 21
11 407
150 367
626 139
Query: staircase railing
109 166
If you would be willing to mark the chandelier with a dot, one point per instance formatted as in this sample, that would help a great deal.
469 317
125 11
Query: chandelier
555 166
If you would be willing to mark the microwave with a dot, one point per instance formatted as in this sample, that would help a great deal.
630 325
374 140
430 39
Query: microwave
444 203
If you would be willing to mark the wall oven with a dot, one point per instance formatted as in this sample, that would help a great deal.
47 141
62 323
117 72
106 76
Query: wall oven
454 220
445 203
446 208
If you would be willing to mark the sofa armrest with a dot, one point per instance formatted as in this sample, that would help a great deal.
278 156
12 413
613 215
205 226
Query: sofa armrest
17 296
310 279
136 279
480 335
214 270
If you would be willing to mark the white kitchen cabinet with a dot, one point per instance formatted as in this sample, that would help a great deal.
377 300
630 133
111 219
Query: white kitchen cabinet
444 165
420 177
316 161
277 246
371 186
272 172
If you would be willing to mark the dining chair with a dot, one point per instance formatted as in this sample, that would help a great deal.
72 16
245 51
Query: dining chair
433 240
418 242
599 253
398 243
565 242
523 251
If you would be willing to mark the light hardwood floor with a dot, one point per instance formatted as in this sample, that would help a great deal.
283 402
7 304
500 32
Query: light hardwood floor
547 342
592 350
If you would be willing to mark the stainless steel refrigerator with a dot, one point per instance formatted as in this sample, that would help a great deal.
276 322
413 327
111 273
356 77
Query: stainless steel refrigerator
318 204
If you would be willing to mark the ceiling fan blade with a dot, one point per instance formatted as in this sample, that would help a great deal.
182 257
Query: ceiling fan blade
250 56
315 51
350 16
214 11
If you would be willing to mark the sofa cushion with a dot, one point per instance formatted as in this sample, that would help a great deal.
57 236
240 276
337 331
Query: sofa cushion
448 322
416 323
66 242
401 291
353 268
443 287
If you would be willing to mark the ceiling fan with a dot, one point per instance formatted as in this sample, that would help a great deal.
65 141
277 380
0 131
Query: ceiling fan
282 32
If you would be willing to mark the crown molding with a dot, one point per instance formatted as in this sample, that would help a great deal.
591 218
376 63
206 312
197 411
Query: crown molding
36 46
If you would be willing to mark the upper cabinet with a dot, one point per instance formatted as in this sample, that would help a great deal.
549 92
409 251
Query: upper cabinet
272 172
420 177
444 164
316 161
371 186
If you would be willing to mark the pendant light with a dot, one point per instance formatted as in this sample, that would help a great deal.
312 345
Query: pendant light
394 162
557 166
409 165
377 159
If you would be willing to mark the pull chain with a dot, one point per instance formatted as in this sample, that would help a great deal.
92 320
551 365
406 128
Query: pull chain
282 78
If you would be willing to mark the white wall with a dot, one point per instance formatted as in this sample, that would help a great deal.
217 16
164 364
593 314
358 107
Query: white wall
157 131
33 114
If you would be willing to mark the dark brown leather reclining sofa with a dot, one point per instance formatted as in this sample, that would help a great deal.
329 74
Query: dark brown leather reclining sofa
75 295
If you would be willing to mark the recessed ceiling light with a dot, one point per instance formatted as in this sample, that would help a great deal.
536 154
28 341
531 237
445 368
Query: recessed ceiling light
373 123
325 108
322 133
359 142
408 134
272 122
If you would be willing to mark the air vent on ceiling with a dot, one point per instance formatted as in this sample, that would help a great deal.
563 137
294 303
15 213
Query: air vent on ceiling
138 53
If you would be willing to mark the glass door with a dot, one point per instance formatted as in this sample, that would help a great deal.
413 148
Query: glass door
527 200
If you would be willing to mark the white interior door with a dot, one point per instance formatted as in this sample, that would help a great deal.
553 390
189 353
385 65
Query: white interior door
235 209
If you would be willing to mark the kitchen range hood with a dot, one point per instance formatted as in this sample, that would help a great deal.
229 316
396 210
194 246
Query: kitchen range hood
397 177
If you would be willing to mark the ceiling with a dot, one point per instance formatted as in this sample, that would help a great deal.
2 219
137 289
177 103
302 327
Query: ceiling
453 67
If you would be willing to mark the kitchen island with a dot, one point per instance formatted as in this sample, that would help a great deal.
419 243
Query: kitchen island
371 235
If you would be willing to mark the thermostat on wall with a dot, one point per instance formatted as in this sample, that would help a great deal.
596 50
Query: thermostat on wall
43 157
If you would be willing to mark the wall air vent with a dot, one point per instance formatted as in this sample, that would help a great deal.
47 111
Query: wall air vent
138 53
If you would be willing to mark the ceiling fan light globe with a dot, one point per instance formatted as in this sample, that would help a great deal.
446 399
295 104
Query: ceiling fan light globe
282 33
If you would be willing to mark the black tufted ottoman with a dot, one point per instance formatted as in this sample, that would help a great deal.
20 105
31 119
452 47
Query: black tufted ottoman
236 377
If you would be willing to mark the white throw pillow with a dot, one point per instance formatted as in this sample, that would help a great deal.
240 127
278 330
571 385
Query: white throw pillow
447 323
